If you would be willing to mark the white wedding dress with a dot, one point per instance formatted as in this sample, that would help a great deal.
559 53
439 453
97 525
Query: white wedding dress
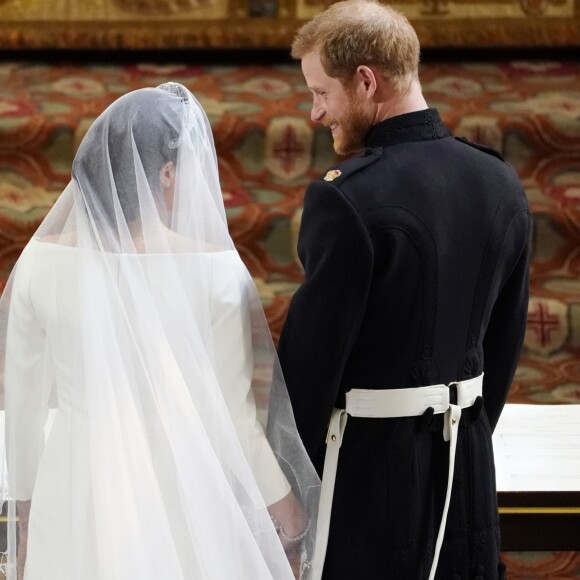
60 476
174 453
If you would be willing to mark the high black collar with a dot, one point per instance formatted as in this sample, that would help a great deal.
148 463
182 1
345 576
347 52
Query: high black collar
415 126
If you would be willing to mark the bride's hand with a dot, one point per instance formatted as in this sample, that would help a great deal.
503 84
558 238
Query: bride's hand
290 521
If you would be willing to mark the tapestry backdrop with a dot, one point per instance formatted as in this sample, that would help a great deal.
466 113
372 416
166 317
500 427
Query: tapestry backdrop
147 24
268 151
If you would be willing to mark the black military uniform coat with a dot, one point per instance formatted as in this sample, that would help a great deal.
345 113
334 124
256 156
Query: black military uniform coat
416 266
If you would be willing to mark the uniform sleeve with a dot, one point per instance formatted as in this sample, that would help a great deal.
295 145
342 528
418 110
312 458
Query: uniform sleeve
28 380
507 324
326 311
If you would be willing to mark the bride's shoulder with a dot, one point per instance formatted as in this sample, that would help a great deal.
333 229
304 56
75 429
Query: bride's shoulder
182 244
62 239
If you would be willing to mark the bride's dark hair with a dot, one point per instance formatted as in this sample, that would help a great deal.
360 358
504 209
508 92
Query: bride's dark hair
135 120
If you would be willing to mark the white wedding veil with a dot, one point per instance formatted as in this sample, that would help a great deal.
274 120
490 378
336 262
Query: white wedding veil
131 313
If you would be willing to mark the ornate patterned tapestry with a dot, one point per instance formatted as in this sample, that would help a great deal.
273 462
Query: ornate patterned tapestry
268 151
271 23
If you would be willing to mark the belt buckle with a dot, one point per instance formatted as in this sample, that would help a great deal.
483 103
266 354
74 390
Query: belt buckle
453 397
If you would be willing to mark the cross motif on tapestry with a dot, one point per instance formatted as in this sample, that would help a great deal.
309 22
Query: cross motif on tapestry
288 149
542 323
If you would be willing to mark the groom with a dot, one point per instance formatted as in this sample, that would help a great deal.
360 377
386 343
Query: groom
411 316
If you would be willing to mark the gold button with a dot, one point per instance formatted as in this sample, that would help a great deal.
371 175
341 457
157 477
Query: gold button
453 421
333 437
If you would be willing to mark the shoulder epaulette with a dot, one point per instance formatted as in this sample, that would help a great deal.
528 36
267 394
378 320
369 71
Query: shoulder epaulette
484 148
345 169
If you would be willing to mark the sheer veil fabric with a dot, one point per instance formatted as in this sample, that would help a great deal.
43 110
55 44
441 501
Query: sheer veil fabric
131 312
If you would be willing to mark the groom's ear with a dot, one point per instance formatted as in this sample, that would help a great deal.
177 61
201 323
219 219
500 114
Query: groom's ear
365 82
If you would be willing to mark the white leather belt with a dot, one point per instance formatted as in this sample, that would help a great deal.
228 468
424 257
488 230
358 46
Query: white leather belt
390 403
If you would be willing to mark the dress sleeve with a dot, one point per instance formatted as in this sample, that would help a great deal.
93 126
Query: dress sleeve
505 331
327 310
234 365
28 381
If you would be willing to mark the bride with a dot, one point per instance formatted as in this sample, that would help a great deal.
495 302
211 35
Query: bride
173 453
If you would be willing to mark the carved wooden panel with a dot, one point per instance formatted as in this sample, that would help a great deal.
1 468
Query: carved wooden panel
151 24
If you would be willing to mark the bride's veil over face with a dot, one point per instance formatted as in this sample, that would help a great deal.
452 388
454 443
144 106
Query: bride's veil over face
132 314
148 165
